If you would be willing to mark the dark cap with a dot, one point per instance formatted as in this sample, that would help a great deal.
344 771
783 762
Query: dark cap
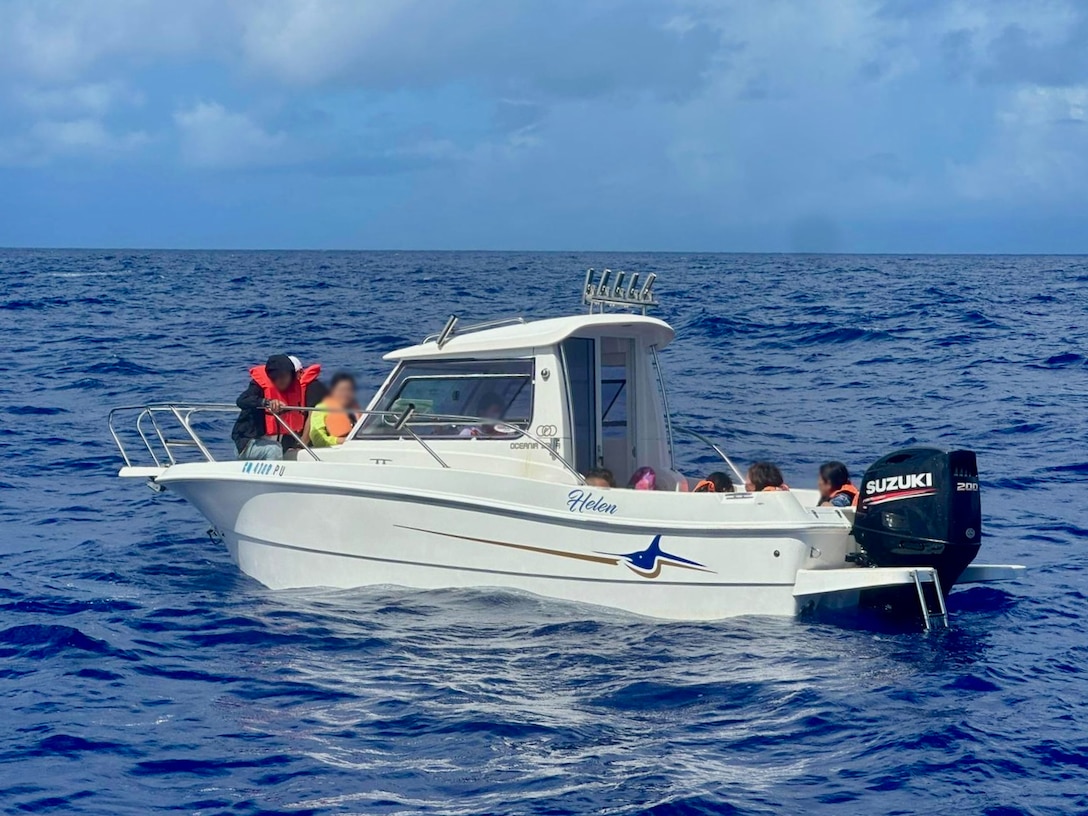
279 364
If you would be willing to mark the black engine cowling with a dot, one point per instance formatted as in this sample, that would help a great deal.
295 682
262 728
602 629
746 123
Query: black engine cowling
920 507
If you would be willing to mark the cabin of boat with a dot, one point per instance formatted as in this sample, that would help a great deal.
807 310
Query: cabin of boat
545 400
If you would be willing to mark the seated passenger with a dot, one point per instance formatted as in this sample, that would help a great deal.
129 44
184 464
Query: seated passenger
716 482
834 485
331 423
490 406
600 477
764 477
315 394
274 390
645 478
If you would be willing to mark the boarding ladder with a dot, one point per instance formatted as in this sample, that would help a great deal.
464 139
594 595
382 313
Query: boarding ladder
930 617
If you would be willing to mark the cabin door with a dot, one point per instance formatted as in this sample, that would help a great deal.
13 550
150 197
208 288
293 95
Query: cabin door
580 362
617 367
600 385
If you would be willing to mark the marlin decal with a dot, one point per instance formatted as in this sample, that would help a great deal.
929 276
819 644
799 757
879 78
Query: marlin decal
648 562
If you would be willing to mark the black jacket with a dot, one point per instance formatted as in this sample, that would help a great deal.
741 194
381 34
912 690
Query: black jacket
250 422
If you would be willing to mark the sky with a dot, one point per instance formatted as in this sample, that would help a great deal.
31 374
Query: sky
671 125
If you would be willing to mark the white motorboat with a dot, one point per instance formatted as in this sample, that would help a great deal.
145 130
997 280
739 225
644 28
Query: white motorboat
429 492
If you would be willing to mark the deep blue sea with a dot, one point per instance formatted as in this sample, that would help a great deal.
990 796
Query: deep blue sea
140 672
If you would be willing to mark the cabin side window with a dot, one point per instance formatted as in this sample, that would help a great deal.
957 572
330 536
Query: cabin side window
456 398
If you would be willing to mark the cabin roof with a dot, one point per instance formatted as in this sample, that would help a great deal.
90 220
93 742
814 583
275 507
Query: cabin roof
539 333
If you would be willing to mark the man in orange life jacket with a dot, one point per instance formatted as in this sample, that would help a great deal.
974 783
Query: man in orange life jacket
835 487
276 387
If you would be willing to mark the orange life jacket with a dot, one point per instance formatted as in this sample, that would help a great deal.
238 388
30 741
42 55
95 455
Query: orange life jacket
848 490
705 486
294 395
337 424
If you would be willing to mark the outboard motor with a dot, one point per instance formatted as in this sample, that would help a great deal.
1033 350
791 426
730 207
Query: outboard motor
920 507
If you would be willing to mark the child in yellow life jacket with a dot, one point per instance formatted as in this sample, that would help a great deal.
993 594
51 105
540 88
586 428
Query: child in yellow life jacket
331 423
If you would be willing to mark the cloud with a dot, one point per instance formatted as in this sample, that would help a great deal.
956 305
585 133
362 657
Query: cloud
1025 52
553 47
61 42
213 137
49 140
42 124
83 136
637 118
1001 42
94 98
545 48
70 59
1038 153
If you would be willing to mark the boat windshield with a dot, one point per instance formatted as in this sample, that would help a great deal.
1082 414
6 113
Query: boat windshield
445 392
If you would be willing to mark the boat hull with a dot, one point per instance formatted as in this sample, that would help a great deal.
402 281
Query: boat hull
675 556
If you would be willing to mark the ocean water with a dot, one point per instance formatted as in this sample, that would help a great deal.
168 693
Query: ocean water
140 672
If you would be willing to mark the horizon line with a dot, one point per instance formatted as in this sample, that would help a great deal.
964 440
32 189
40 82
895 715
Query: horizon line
829 253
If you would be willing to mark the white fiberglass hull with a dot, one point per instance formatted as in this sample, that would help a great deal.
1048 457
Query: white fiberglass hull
666 555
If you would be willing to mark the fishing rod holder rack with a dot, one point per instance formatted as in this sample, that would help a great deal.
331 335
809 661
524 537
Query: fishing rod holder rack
618 290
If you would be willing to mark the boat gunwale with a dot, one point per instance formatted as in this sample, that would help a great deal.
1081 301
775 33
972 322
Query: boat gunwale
824 523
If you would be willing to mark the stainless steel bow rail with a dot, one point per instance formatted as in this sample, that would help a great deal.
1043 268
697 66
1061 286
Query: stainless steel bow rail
153 415
151 427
